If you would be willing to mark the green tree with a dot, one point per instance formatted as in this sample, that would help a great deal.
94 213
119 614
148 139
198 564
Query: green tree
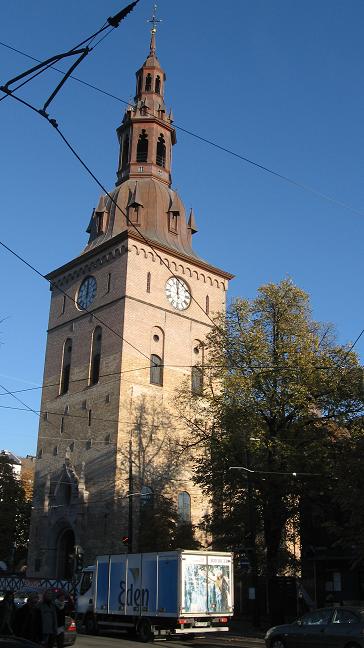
277 389
14 516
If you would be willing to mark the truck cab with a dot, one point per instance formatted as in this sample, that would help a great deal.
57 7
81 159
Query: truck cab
85 600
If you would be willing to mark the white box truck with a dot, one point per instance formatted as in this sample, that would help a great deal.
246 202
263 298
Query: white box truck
158 594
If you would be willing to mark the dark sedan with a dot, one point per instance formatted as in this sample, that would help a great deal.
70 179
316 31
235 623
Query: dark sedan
336 627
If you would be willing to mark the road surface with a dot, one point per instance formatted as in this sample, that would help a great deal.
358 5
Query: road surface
122 641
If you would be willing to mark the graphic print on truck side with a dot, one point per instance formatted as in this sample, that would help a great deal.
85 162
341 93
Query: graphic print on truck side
135 596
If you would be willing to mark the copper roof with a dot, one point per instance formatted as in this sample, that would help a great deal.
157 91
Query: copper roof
154 202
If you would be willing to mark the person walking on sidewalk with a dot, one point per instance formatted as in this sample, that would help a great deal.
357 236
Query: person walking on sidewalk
49 620
60 603
7 614
28 619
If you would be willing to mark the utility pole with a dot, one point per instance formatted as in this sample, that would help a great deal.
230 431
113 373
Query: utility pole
252 539
130 493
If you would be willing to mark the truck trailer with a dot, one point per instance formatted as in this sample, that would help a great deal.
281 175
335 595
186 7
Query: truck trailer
158 594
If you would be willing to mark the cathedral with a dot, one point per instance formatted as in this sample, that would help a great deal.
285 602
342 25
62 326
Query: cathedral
127 324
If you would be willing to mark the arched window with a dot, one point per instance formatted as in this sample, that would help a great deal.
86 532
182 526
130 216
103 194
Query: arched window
149 277
125 154
161 151
95 356
207 305
197 381
139 88
148 82
156 370
142 147
158 84
66 366
184 507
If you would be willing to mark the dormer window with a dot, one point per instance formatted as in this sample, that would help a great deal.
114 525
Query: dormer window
133 214
158 85
99 223
173 222
142 147
148 83
161 151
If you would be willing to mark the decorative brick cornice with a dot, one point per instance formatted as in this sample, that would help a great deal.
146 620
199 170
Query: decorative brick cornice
118 246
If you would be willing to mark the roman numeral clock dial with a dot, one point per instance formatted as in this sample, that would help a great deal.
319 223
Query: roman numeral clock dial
178 293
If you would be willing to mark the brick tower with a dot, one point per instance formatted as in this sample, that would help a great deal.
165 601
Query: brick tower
130 329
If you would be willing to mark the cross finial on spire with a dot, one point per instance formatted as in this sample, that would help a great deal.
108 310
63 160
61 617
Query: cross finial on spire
154 21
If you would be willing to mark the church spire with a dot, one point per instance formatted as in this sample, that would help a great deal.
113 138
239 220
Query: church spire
146 134
154 21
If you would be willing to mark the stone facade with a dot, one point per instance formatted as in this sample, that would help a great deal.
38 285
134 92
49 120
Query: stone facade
83 455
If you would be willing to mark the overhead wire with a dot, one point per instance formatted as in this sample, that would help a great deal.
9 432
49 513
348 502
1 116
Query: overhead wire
254 368
210 142
63 292
146 241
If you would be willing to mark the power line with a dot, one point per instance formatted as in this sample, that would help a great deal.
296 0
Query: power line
88 170
64 415
140 233
254 368
53 285
205 140
147 242
81 50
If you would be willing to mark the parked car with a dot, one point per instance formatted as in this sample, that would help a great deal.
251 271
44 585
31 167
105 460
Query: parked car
21 597
339 627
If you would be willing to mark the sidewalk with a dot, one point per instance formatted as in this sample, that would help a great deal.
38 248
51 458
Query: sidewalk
243 627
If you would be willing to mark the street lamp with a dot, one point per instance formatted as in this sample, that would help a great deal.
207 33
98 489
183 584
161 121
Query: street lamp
249 473
273 472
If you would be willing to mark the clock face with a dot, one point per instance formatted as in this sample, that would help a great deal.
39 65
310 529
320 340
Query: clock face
178 293
86 293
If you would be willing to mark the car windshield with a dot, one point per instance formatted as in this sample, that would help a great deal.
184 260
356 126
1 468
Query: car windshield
319 617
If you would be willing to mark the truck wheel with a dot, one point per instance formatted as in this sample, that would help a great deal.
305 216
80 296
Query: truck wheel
91 625
144 631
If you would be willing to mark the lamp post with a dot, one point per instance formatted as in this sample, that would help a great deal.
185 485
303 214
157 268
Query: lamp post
252 538
251 517
130 492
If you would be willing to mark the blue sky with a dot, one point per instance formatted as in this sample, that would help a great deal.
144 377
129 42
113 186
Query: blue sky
279 82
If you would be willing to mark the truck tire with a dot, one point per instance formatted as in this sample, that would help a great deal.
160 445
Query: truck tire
91 627
144 631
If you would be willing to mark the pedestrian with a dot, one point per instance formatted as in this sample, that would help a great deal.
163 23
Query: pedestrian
7 614
28 619
48 620
60 603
